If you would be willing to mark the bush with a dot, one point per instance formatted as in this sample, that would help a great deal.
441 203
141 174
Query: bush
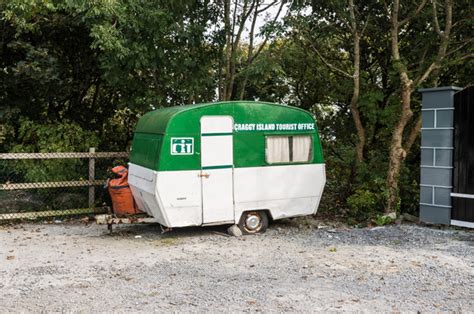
362 203
66 136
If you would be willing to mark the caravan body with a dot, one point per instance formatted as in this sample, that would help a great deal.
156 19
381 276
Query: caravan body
207 164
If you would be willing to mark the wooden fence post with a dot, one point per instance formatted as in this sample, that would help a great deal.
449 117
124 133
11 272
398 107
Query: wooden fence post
91 178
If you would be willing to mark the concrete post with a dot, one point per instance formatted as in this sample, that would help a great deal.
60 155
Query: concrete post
437 138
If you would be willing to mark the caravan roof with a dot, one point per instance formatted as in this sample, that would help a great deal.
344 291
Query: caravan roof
253 121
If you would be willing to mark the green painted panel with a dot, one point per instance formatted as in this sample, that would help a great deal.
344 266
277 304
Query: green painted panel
217 167
252 146
252 122
216 134
146 149
179 162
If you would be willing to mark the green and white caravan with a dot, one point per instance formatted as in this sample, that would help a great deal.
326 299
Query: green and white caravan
236 162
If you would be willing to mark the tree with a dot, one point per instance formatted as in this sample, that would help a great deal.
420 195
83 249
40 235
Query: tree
236 15
89 61
408 83
345 17
328 32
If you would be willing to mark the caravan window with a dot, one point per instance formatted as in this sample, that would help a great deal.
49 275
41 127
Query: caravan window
288 149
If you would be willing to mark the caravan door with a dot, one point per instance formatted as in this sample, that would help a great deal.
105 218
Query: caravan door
217 165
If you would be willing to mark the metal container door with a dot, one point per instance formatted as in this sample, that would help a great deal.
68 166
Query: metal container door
463 180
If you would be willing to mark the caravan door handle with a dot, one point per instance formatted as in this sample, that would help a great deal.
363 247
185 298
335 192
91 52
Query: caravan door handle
205 175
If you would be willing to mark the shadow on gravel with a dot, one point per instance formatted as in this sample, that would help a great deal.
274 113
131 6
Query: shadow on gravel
156 232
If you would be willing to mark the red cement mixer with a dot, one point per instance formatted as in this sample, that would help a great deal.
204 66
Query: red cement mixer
123 203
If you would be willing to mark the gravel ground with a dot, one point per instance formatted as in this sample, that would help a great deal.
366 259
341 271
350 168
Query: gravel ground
295 266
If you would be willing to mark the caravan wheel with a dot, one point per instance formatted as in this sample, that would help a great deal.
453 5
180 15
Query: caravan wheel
253 222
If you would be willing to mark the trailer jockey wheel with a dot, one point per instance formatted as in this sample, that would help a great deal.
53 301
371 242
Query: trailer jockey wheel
253 222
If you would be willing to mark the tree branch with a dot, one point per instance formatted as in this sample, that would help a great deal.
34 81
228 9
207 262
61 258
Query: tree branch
426 74
245 15
443 45
470 40
267 7
329 65
415 13
353 21
234 17
365 25
260 48
466 57
435 18
250 50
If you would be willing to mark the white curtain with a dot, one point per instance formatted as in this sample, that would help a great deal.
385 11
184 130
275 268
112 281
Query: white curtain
301 148
278 149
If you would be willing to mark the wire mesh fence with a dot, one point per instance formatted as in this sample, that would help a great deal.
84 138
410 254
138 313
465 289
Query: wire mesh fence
35 185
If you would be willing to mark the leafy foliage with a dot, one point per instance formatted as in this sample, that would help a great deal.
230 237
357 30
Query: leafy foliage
77 73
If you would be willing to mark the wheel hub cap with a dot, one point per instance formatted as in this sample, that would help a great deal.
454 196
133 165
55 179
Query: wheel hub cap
252 222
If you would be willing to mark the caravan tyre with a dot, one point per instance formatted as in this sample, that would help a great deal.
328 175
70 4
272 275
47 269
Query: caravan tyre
253 222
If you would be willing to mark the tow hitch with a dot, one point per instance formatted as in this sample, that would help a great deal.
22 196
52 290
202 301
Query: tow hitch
110 220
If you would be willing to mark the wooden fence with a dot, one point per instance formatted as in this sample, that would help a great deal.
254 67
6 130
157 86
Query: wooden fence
92 182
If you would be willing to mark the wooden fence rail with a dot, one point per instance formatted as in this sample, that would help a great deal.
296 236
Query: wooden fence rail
46 185
62 155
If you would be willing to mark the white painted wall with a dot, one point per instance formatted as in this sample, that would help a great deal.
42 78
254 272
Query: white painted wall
287 191
174 197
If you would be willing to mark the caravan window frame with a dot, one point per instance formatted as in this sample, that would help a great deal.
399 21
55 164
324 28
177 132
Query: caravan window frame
290 147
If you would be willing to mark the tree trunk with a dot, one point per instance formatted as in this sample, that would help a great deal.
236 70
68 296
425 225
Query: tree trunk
228 46
355 100
250 51
397 153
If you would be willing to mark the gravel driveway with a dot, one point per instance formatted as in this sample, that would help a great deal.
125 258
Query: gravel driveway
295 266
